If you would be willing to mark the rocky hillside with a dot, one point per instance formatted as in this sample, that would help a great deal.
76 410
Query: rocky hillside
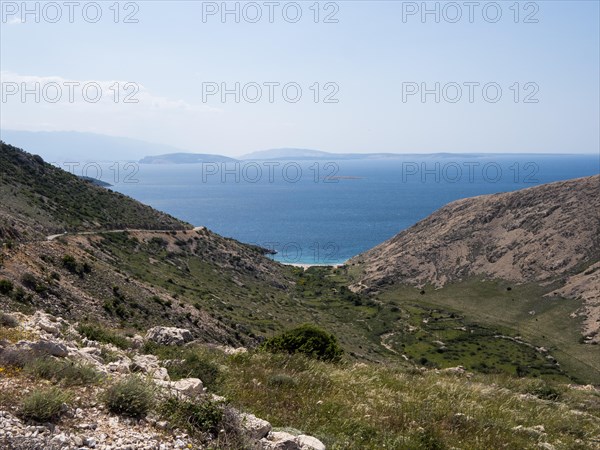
87 253
545 234
38 199
74 386
115 397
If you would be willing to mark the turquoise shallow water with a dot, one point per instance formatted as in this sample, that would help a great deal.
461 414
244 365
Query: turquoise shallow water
318 212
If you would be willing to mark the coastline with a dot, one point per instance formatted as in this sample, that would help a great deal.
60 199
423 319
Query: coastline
309 265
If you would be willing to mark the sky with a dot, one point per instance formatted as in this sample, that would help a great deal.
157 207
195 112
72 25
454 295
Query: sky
344 76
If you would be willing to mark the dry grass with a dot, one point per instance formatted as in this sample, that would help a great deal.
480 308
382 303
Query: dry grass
363 406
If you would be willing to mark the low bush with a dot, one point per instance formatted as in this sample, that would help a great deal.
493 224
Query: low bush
543 390
214 423
29 281
282 381
196 417
307 339
71 264
44 405
132 396
6 287
194 365
67 372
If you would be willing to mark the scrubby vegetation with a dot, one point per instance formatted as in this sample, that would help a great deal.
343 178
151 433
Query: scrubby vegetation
187 363
308 340
75 203
67 373
44 405
380 383
103 334
132 396
366 406
210 421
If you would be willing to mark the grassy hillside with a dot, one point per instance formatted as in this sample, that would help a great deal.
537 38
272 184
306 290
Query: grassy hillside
347 405
516 311
39 199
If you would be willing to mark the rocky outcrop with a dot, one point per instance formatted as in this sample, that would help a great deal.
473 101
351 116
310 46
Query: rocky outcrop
280 440
254 427
169 335
93 427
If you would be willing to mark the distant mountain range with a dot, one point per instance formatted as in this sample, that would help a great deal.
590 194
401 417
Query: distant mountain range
63 146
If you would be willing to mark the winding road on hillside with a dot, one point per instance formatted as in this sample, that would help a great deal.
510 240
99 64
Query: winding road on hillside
87 233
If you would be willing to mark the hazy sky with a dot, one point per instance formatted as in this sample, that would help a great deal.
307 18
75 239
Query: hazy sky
374 58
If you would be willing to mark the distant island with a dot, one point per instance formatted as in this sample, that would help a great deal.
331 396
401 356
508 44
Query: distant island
286 154
283 154
184 158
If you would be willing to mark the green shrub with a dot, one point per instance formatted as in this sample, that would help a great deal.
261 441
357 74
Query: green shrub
104 335
543 390
196 417
29 280
69 263
6 287
44 405
282 381
132 396
67 372
306 339
194 365
19 294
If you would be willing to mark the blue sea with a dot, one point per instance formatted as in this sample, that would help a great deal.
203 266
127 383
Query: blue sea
324 212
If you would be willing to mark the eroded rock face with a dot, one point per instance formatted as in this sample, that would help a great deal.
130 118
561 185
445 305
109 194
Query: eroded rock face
536 234
169 335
